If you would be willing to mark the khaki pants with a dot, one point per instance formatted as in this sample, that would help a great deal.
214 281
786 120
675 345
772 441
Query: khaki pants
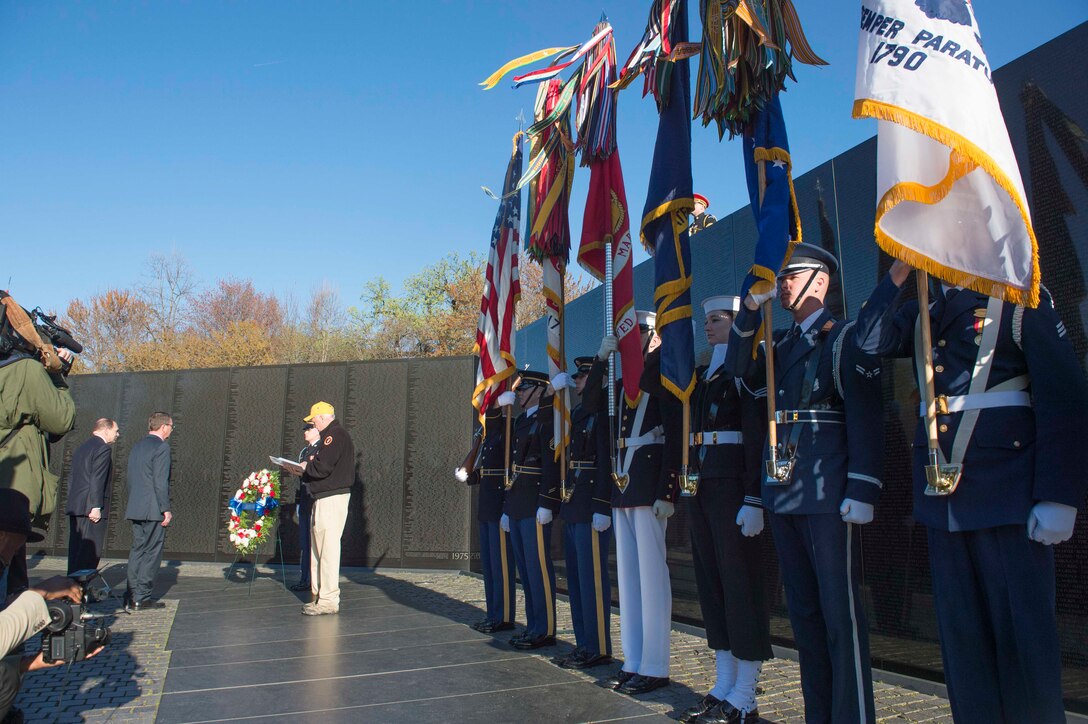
326 527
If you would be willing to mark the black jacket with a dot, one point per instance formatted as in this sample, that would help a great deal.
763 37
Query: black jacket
491 466
534 471
725 404
332 469
89 480
588 447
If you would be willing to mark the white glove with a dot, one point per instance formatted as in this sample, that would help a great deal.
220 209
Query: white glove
750 520
854 511
561 381
461 474
1050 523
543 516
759 299
504 522
506 399
601 523
663 509
609 344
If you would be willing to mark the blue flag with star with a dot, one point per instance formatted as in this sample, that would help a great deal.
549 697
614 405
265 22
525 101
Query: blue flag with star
669 201
768 170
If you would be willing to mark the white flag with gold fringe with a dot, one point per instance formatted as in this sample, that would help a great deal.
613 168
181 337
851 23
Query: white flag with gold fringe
951 200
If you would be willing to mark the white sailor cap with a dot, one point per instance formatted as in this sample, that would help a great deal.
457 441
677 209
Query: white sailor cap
721 303
646 319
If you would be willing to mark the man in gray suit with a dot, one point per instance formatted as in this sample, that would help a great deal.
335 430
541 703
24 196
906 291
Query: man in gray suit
148 509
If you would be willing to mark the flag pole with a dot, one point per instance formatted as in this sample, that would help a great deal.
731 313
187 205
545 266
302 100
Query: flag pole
774 466
941 478
564 394
609 323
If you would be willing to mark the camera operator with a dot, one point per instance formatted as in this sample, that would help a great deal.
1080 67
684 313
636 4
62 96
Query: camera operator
27 614
35 409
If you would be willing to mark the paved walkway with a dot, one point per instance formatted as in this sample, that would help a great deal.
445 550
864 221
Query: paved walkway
400 649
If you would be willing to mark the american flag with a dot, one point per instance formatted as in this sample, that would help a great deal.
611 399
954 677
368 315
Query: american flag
502 290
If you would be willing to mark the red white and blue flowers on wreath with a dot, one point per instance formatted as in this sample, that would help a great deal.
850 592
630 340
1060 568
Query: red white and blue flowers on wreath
253 510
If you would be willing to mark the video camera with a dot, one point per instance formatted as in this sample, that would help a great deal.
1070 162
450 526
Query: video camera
72 633
13 340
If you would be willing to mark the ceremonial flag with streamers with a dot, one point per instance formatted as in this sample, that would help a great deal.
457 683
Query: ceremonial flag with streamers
951 200
495 328
768 170
669 201
607 218
549 234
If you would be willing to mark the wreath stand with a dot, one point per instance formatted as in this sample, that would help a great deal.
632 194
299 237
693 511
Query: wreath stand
241 558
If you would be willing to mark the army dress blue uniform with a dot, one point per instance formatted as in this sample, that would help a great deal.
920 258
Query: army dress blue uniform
649 454
496 555
1016 427
535 484
590 474
830 409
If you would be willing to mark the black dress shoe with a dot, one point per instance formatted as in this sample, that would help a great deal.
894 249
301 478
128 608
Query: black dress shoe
621 678
300 586
535 642
707 703
481 625
589 661
642 684
726 713
564 661
497 626
145 605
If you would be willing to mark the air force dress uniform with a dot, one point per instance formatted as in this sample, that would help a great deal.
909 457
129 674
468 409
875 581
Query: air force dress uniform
1012 405
829 411
534 484
586 517
496 555
646 474
729 431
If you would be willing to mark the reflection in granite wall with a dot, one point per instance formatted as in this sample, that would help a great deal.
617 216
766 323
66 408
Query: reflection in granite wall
406 507
1046 111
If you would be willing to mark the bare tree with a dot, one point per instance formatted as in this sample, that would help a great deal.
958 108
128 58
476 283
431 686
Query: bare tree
167 289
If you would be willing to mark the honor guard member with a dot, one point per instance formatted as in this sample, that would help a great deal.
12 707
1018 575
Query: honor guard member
700 219
821 481
725 516
528 508
1011 401
496 555
643 498
587 517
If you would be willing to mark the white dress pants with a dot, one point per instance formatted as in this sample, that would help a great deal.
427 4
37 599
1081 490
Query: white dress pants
645 590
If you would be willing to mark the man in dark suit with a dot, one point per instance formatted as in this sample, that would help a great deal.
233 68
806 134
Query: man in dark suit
148 509
1011 401
829 410
89 495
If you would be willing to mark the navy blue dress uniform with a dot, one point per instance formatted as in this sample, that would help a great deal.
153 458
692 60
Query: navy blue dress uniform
648 460
830 412
534 484
496 555
589 480
88 488
729 430
1015 424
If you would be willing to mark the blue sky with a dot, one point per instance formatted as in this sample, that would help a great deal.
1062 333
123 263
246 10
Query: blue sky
301 143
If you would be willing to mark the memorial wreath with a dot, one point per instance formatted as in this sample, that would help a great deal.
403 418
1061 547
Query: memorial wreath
253 511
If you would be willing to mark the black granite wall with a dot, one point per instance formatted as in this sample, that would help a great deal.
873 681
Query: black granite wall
410 421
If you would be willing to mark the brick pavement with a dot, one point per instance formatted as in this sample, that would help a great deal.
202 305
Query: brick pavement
124 683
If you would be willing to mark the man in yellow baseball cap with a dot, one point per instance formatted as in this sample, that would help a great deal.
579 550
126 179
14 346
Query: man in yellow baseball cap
319 408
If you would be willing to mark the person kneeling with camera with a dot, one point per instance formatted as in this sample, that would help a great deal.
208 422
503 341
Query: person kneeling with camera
28 613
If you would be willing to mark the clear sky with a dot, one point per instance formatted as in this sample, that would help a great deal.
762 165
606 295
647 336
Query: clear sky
296 143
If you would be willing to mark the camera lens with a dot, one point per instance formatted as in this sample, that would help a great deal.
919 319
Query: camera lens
61 615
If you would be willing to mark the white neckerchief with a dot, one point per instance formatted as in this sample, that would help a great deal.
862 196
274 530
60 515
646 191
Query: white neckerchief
717 359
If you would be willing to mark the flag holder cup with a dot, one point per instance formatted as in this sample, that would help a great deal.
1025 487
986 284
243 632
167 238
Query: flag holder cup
689 483
941 478
779 470
621 480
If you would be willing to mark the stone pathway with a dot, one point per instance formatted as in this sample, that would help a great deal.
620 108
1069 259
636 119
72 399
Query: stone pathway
126 682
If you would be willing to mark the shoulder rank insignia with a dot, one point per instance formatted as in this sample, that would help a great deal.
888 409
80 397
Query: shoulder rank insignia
867 373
